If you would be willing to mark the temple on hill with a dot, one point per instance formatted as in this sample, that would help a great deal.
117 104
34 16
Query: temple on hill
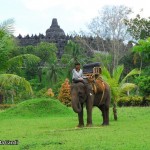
57 35
53 35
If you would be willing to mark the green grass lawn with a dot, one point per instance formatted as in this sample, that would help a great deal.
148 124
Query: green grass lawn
40 129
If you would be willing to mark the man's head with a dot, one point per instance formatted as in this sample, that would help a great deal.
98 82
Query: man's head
77 65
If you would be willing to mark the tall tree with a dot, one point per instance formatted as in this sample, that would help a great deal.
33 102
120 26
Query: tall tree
73 53
47 53
109 25
143 46
138 27
142 51
142 56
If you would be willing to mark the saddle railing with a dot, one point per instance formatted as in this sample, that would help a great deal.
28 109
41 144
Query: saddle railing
94 74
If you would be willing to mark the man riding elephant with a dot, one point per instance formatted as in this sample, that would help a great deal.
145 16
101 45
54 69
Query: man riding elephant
77 73
92 92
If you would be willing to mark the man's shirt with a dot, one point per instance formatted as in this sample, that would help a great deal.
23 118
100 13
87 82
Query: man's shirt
76 74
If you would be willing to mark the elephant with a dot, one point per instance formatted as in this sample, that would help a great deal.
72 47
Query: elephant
84 93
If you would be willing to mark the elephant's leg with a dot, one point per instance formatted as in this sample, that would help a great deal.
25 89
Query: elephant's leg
102 108
80 118
105 114
89 106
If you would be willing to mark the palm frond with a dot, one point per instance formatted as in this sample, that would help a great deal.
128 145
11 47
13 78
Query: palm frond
12 80
118 87
117 72
23 60
105 73
127 87
131 73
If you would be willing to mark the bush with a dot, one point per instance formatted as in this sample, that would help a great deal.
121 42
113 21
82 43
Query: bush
146 101
134 101
64 95
144 84
5 106
45 93
41 93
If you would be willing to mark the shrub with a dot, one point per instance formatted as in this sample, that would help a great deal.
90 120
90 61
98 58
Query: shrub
4 106
45 93
134 101
64 95
144 84
50 93
41 93
146 101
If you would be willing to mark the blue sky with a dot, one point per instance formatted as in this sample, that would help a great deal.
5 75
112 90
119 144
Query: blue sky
35 16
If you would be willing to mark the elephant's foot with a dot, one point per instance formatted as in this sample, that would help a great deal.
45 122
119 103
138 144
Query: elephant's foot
89 125
105 124
80 126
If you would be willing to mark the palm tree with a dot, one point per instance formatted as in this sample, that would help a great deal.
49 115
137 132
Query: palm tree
117 85
9 65
11 80
17 63
52 73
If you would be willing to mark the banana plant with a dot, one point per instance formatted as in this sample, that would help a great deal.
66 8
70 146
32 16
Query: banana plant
117 85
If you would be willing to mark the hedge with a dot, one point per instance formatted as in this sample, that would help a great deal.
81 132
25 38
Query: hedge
134 101
4 106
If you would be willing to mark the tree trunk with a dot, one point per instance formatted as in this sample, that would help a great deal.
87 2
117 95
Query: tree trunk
12 98
115 111
40 75
1 99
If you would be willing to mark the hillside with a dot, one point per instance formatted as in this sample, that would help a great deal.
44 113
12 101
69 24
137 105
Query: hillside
37 108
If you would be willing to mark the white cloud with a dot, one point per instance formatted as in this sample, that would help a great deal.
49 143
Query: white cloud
21 31
72 15
40 5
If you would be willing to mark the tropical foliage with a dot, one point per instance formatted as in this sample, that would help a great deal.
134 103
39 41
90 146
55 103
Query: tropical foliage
40 66
142 49
10 81
73 53
7 43
118 85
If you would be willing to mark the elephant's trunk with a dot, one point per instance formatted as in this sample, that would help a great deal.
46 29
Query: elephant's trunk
76 106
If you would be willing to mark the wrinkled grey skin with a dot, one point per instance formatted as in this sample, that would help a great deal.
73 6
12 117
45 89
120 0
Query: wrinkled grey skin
81 95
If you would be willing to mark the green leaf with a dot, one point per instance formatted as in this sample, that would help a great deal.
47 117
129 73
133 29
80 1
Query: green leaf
131 73
127 87
22 61
117 72
12 80
105 73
